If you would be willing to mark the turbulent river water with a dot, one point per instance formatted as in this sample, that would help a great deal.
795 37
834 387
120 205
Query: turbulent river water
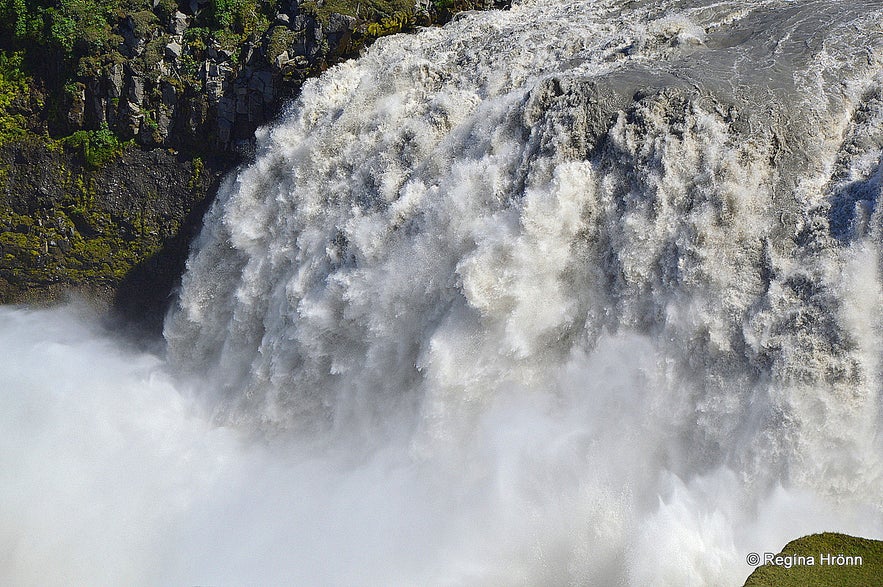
579 293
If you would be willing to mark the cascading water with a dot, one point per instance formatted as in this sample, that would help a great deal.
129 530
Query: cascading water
577 293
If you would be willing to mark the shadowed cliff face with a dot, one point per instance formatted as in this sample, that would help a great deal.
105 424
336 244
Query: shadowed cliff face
118 233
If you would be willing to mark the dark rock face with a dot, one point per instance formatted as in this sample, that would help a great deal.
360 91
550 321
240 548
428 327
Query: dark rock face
175 80
119 232
177 90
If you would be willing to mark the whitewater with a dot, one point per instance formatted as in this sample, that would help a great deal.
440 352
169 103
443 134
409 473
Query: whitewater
577 293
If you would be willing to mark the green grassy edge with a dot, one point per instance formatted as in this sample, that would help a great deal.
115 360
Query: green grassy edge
869 573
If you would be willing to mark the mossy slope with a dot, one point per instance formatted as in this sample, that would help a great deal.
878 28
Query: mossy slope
66 223
867 574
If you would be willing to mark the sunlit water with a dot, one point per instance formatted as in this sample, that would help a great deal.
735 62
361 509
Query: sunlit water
573 294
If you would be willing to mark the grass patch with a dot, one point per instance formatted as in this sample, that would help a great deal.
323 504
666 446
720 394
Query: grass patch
14 87
96 146
367 10
867 574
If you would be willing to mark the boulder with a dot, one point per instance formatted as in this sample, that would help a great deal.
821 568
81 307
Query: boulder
178 24
173 51
281 60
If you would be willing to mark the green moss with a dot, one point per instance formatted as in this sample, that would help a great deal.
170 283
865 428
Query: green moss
14 87
154 51
242 17
97 147
197 168
366 11
165 9
278 41
229 41
39 258
145 22
388 25
867 574
74 241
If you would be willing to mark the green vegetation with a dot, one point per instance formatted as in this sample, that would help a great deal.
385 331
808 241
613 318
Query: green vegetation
73 241
64 44
379 18
388 25
62 28
365 11
67 42
867 574
241 17
441 11
96 146
197 169
14 87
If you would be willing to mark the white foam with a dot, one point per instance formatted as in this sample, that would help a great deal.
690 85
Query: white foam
585 303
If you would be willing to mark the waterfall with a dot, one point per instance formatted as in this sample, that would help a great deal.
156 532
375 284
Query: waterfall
476 208
579 293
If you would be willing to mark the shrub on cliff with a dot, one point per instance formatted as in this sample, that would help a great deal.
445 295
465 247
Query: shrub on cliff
96 146
67 29
14 88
